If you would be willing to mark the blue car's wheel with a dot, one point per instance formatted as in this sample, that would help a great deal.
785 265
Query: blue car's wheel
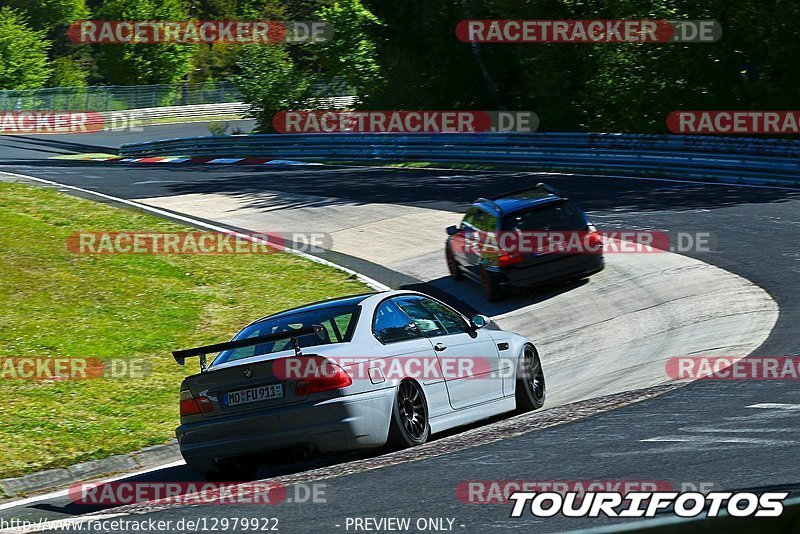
452 265
491 289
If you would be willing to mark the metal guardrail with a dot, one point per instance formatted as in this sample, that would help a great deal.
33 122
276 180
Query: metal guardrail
688 157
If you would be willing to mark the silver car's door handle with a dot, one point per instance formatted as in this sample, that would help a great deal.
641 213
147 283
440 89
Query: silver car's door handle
439 347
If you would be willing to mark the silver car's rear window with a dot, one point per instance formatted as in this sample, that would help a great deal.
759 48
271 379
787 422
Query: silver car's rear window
338 321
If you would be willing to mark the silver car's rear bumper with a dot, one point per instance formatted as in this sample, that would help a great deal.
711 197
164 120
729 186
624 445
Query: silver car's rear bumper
338 424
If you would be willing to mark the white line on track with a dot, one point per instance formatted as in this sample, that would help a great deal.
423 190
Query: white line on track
775 405
704 440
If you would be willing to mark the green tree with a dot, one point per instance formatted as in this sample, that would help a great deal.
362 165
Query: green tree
72 63
134 64
217 61
269 81
51 14
23 53
214 62
351 54
422 64
603 87
67 73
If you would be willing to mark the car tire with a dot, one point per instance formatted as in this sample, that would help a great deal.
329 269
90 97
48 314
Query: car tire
409 425
452 264
491 289
531 390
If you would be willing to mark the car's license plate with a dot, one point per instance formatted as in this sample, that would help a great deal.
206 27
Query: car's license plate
244 396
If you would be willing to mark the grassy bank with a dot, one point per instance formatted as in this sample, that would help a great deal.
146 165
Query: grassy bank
61 304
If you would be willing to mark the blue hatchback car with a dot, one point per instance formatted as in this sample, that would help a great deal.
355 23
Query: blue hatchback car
540 212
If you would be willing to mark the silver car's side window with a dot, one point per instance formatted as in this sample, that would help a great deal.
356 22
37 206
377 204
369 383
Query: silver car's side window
391 324
431 317
426 322
448 318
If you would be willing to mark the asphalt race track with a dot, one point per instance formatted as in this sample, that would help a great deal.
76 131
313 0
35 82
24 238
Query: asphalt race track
707 432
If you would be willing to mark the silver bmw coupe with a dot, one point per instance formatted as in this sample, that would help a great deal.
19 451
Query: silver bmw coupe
357 372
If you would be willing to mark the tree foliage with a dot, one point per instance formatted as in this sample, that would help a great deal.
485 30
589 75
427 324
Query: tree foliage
67 73
133 64
350 55
404 55
601 87
23 53
269 81
48 15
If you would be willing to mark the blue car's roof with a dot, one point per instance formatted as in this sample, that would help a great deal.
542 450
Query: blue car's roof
523 199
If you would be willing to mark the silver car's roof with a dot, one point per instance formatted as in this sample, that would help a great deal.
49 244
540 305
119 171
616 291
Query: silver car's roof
366 300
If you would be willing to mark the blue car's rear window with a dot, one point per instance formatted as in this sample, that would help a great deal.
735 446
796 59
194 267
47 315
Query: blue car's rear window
561 216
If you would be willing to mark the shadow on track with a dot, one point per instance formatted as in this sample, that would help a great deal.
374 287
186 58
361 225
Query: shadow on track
467 297
449 190
56 146
455 190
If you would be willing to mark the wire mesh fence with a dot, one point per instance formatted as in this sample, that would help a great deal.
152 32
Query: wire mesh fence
118 97
321 95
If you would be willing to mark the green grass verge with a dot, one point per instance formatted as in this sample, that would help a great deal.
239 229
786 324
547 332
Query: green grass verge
178 120
57 303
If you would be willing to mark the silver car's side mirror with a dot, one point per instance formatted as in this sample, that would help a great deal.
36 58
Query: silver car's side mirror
479 321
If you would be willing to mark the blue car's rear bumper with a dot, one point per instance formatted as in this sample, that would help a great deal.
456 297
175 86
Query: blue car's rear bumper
560 268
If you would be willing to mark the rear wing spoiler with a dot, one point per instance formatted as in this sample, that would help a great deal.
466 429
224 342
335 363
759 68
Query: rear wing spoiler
181 355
